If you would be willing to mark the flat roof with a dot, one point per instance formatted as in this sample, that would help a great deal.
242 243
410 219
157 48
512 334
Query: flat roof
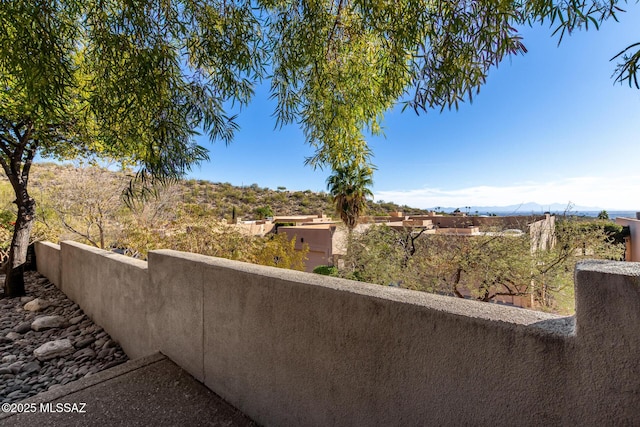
319 225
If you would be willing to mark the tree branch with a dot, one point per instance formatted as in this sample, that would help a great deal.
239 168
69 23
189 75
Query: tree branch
333 29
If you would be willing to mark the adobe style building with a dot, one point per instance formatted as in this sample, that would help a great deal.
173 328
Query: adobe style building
326 242
320 240
632 242
326 239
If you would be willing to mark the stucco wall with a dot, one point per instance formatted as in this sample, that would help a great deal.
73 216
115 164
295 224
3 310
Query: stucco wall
48 261
317 238
290 348
633 246
115 291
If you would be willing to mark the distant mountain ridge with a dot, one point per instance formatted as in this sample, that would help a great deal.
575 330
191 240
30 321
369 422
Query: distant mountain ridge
524 209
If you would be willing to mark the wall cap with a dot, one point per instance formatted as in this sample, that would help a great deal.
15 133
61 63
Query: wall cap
620 268
534 321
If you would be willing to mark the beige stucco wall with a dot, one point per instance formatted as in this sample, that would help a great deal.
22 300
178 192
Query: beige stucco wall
290 348
115 291
542 232
317 238
256 228
633 246
48 261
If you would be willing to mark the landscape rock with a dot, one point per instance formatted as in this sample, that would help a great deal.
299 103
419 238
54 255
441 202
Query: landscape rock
85 342
30 367
77 319
15 367
15 394
10 358
85 352
37 304
53 349
48 322
23 327
22 374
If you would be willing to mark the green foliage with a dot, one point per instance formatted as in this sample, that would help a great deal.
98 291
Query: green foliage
7 223
249 198
337 67
349 188
135 83
212 199
589 238
326 270
264 212
84 204
374 256
615 232
628 68
117 81
603 215
482 267
83 79
7 219
211 237
278 251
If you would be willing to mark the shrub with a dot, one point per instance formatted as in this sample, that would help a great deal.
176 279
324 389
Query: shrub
326 270
264 212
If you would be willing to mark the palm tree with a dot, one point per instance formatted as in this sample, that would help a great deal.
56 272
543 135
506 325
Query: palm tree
349 187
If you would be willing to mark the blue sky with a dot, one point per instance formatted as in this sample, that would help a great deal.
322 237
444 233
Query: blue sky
548 127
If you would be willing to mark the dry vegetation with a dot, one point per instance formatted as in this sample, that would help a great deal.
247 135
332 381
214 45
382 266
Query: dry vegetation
86 204
217 199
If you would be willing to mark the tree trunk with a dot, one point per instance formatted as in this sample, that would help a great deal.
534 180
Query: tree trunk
14 269
456 282
17 150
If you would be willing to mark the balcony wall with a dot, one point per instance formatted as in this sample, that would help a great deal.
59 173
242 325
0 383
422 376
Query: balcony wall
290 348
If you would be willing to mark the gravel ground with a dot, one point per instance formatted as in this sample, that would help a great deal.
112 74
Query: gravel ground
83 347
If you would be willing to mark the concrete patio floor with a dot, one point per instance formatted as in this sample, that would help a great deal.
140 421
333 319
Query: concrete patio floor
151 391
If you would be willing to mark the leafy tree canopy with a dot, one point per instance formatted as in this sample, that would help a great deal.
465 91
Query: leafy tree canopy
135 81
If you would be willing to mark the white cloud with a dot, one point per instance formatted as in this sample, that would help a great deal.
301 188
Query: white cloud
620 193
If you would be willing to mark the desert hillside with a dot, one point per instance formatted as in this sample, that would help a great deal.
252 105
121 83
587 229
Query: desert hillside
215 199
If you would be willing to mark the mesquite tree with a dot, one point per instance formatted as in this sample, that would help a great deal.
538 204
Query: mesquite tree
117 80
134 81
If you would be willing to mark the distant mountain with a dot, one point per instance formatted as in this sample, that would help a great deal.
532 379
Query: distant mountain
523 209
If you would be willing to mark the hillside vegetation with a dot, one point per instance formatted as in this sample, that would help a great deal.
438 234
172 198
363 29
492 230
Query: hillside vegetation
86 204
214 199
